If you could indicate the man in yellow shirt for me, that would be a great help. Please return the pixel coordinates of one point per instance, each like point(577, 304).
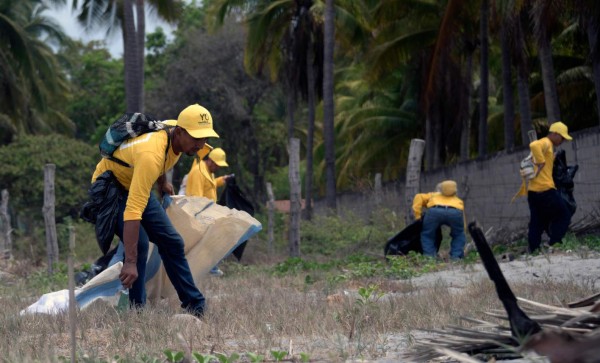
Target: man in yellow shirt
point(443, 208)
point(548, 212)
point(141, 216)
point(201, 181)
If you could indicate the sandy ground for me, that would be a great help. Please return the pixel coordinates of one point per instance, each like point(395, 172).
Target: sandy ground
point(584, 267)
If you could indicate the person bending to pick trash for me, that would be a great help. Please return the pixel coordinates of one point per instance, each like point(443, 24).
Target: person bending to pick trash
point(443, 208)
point(141, 216)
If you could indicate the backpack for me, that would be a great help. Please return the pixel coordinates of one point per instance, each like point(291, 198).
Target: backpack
point(527, 169)
point(128, 126)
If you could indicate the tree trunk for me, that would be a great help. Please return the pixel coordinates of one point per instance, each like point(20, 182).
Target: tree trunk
point(49, 219)
point(271, 218)
point(141, 48)
point(413, 176)
point(295, 197)
point(465, 132)
point(484, 86)
point(130, 59)
point(550, 93)
point(523, 87)
point(6, 230)
point(592, 32)
point(429, 144)
point(507, 90)
point(328, 107)
point(310, 75)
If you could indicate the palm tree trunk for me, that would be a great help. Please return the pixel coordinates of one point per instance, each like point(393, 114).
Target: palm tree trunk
point(310, 75)
point(593, 32)
point(550, 93)
point(466, 121)
point(328, 107)
point(507, 90)
point(291, 108)
point(130, 57)
point(523, 85)
point(484, 85)
point(141, 47)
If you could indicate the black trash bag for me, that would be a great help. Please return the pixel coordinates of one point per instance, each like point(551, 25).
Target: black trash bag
point(82, 277)
point(233, 197)
point(103, 208)
point(563, 176)
point(409, 239)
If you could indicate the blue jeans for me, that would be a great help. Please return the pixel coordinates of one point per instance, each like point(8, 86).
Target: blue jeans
point(436, 217)
point(156, 226)
point(548, 212)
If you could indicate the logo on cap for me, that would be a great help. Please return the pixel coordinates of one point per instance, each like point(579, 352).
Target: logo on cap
point(204, 119)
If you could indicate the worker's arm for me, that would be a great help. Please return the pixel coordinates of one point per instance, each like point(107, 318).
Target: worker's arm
point(419, 202)
point(129, 272)
point(537, 151)
point(164, 187)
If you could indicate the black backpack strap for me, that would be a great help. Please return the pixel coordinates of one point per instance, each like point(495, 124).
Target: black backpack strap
point(168, 131)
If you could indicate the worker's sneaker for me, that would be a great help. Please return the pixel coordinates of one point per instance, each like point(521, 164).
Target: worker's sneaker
point(215, 271)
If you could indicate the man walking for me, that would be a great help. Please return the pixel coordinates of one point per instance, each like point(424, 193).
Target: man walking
point(547, 208)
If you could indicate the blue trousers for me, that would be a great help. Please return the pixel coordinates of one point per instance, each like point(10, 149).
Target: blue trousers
point(548, 212)
point(156, 227)
point(436, 217)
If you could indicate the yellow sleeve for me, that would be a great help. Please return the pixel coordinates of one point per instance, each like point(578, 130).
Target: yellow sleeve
point(220, 181)
point(537, 150)
point(419, 202)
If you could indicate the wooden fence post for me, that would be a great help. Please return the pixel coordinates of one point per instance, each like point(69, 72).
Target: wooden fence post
point(49, 218)
point(270, 223)
point(72, 302)
point(413, 176)
point(532, 135)
point(295, 203)
point(377, 190)
point(6, 230)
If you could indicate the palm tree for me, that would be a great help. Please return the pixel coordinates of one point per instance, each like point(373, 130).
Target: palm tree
point(114, 14)
point(588, 12)
point(328, 106)
point(484, 70)
point(544, 14)
point(32, 89)
point(506, 25)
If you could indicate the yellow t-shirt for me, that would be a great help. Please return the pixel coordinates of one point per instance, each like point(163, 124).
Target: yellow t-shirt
point(430, 200)
point(201, 182)
point(543, 152)
point(146, 155)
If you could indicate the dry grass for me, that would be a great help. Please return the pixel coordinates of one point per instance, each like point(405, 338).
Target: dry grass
point(252, 311)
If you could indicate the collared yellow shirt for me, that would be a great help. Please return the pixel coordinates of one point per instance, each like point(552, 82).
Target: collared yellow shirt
point(146, 155)
point(201, 182)
point(543, 152)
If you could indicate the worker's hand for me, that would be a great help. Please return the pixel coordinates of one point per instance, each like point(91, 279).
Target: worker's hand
point(539, 168)
point(129, 274)
point(167, 188)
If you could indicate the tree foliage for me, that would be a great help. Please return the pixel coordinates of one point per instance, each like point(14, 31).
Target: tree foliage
point(22, 174)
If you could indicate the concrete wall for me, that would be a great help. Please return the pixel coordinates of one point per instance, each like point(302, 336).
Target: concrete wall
point(487, 186)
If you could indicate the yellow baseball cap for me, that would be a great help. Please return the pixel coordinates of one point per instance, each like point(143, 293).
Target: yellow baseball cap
point(217, 155)
point(561, 129)
point(170, 122)
point(197, 121)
